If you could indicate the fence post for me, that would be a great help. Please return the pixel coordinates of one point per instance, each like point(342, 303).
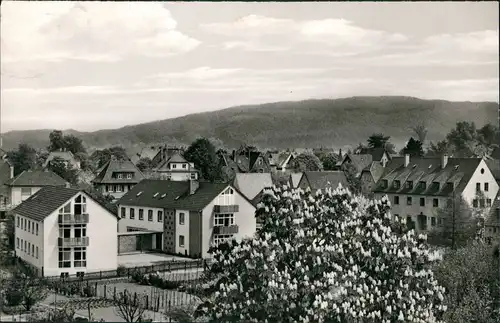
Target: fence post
point(157, 304)
point(147, 301)
point(128, 272)
point(104, 290)
point(114, 293)
point(96, 289)
point(152, 268)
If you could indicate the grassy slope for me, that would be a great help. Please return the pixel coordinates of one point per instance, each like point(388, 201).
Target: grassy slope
point(311, 123)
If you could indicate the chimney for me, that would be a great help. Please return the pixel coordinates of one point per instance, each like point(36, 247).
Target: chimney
point(407, 160)
point(193, 186)
point(444, 161)
point(340, 153)
point(11, 171)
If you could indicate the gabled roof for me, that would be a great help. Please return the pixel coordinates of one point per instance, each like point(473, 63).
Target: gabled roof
point(493, 217)
point(375, 169)
point(377, 153)
point(37, 178)
point(322, 180)
point(65, 155)
point(494, 166)
point(48, 199)
point(360, 162)
point(457, 171)
point(173, 195)
point(104, 176)
point(175, 158)
point(4, 177)
point(295, 178)
point(251, 184)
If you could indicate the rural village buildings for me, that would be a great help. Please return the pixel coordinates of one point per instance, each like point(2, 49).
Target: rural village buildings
point(176, 168)
point(63, 230)
point(67, 156)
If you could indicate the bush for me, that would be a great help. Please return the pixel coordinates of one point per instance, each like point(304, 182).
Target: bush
point(88, 291)
point(121, 271)
point(13, 310)
point(13, 297)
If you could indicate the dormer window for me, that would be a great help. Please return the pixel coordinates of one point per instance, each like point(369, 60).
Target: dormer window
point(422, 185)
point(385, 183)
point(409, 185)
point(129, 176)
point(449, 186)
point(184, 166)
point(174, 165)
point(397, 184)
point(119, 176)
point(435, 185)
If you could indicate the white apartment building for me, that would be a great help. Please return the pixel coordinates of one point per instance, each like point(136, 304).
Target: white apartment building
point(419, 187)
point(176, 168)
point(62, 230)
point(195, 216)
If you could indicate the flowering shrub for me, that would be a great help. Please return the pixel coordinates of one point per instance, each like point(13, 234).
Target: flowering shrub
point(328, 256)
point(154, 279)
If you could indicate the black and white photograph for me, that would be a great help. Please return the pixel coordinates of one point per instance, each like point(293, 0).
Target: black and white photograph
point(184, 161)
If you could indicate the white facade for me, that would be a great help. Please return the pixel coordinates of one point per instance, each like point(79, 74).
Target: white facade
point(29, 240)
point(487, 184)
point(182, 231)
point(86, 247)
point(18, 194)
point(130, 217)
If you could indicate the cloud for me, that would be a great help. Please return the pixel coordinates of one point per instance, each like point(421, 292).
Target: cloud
point(481, 42)
point(102, 31)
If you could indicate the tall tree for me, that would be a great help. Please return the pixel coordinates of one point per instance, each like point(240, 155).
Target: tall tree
point(323, 257)
point(438, 149)
point(421, 131)
point(378, 140)
point(144, 164)
point(63, 169)
point(306, 162)
point(100, 157)
point(24, 158)
point(414, 148)
point(462, 139)
point(56, 139)
point(202, 153)
point(30, 288)
point(74, 144)
point(329, 161)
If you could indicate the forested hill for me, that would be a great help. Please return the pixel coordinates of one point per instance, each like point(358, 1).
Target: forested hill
point(310, 123)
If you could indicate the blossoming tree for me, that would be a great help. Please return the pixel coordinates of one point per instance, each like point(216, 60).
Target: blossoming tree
point(324, 257)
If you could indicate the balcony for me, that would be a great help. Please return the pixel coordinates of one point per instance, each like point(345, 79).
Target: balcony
point(226, 208)
point(232, 229)
point(73, 218)
point(73, 242)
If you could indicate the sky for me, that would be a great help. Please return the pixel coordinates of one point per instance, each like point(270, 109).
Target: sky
point(91, 65)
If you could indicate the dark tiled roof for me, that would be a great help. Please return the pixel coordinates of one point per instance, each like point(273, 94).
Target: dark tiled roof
point(457, 171)
point(4, 177)
point(37, 178)
point(377, 153)
point(205, 194)
point(322, 180)
point(494, 217)
point(494, 166)
point(65, 155)
point(376, 170)
point(47, 200)
point(360, 162)
point(105, 174)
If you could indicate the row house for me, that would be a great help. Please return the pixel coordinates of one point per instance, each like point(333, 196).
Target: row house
point(419, 187)
point(183, 217)
point(117, 177)
point(63, 230)
point(176, 168)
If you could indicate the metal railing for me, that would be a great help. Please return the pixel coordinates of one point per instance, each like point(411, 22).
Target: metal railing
point(232, 229)
point(73, 218)
point(73, 242)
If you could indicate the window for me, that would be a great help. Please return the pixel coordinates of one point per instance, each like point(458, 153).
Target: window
point(486, 187)
point(169, 176)
point(17, 221)
point(436, 185)
point(422, 185)
point(433, 221)
point(481, 203)
point(150, 215)
point(80, 206)
point(449, 186)
point(396, 200)
point(118, 188)
point(385, 183)
point(475, 203)
point(181, 218)
point(33, 250)
point(193, 175)
point(181, 241)
point(22, 224)
point(396, 184)
point(29, 248)
point(132, 214)
point(33, 227)
point(17, 243)
point(229, 191)
point(223, 219)
point(219, 238)
point(123, 212)
point(65, 231)
point(408, 200)
point(488, 202)
point(129, 176)
point(109, 188)
point(80, 230)
point(183, 165)
point(119, 176)
point(160, 216)
point(174, 165)
point(25, 193)
point(80, 259)
point(435, 202)
point(64, 257)
point(422, 201)
point(478, 187)
point(25, 246)
point(409, 184)
point(141, 214)
point(25, 224)
point(28, 227)
point(37, 252)
point(37, 229)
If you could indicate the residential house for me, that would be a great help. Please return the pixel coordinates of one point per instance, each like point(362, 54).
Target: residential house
point(359, 162)
point(117, 177)
point(279, 161)
point(67, 156)
point(322, 180)
point(146, 152)
point(176, 168)
point(370, 176)
point(492, 223)
point(63, 230)
point(29, 182)
point(248, 161)
point(252, 184)
point(418, 187)
point(195, 216)
point(295, 179)
point(6, 174)
point(364, 157)
point(165, 152)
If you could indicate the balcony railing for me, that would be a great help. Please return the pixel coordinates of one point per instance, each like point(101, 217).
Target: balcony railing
point(232, 229)
point(73, 218)
point(74, 242)
point(226, 208)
